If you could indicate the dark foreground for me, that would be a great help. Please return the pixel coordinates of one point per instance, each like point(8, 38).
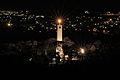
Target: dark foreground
point(110, 63)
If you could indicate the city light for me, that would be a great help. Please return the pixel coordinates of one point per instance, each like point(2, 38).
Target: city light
point(94, 29)
point(66, 57)
point(30, 59)
point(9, 24)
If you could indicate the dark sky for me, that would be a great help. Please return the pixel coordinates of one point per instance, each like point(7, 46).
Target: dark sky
point(59, 4)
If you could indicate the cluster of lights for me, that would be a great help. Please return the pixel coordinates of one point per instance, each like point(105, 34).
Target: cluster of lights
point(69, 24)
point(31, 28)
point(9, 24)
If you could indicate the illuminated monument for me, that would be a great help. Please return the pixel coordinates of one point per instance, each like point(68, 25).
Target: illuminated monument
point(59, 48)
point(59, 30)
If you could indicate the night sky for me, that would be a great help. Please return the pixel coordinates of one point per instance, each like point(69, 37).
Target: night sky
point(59, 4)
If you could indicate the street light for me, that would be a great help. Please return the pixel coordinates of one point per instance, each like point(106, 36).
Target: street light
point(81, 51)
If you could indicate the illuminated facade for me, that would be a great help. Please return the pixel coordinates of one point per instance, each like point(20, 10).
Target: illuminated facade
point(59, 33)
